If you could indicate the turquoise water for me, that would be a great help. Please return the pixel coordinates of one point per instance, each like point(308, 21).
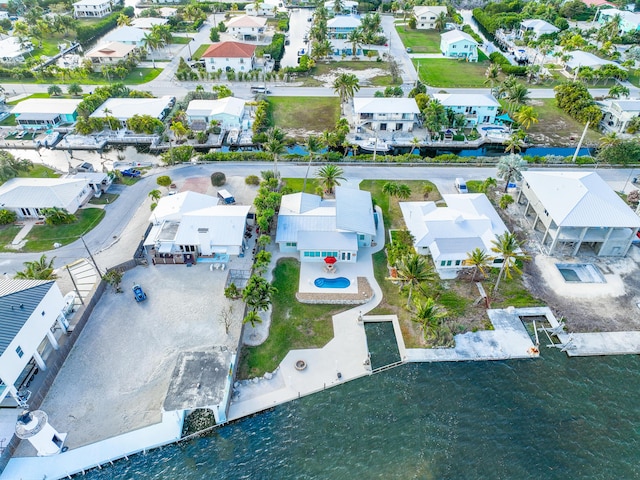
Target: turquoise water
point(338, 282)
point(545, 419)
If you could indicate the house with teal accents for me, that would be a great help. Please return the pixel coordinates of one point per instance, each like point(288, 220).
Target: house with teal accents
point(476, 107)
point(41, 113)
point(341, 26)
point(458, 44)
point(629, 21)
point(317, 228)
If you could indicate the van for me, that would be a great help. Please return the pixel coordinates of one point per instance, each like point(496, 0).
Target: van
point(461, 186)
point(226, 197)
point(262, 90)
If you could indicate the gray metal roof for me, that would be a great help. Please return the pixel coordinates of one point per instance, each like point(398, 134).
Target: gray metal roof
point(327, 241)
point(290, 225)
point(18, 300)
point(354, 210)
point(458, 245)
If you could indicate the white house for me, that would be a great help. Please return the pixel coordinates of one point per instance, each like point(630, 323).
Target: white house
point(246, 27)
point(264, 9)
point(110, 54)
point(618, 114)
point(190, 225)
point(578, 210)
point(629, 21)
point(91, 8)
point(449, 233)
point(317, 228)
point(386, 114)
point(12, 50)
point(346, 7)
point(578, 59)
point(147, 23)
point(240, 57)
point(99, 182)
point(229, 112)
point(459, 44)
point(29, 196)
point(341, 26)
point(125, 108)
point(30, 313)
point(45, 112)
point(476, 107)
point(426, 16)
point(535, 28)
point(126, 35)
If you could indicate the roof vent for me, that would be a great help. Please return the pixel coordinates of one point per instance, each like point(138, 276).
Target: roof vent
point(22, 305)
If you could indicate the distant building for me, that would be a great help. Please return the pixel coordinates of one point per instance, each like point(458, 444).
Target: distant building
point(44, 113)
point(476, 107)
point(238, 56)
point(426, 16)
point(229, 112)
point(264, 9)
point(12, 50)
point(29, 196)
point(458, 44)
point(536, 27)
point(386, 114)
point(110, 54)
point(578, 59)
point(629, 21)
point(618, 113)
point(342, 25)
point(126, 35)
point(125, 108)
point(247, 27)
point(91, 8)
point(348, 7)
point(147, 23)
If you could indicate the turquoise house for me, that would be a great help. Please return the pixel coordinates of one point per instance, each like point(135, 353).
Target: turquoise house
point(342, 25)
point(45, 112)
point(458, 44)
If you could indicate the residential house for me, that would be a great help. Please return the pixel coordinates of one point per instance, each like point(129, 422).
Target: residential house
point(99, 182)
point(246, 27)
point(458, 44)
point(348, 7)
point(31, 321)
point(476, 107)
point(110, 54)
point(264, 9)
point(147, 23)
point(126, 35)
point(91, 8)
point(12, 50)
point(618, 114)
point(536, 27)
point(598, 3)
point(426, 16)
point(190, 225)
point(44, 113)
point(449, 233)
point(577, 211)
point(167, 12)
point(579, 59)
point(230, 56)
point(629, 21)
point(386, 114)
point(166, 1)
point(341, 26)
point(229, 112)
point(29, 196)
point(125, 108)
point(317, 228)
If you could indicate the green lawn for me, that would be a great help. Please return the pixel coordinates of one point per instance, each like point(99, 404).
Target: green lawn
point(420, 41)
point(296, 183)
point(555, 127)
point(7, 234)
point(42, 237)
point(39, 171)
point(356, 65)
point(382, 81)
point(293, 324)
point(311, 113)
point(444, 72)
point(200, 50)
point(175, 40)
point(104, 199)
point(10, 121)
point(137, 76)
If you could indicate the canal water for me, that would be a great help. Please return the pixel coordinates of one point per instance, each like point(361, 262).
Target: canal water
point(552, 418)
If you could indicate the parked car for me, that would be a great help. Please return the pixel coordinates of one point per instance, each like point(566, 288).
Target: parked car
point(461, 185)
point(130, 172)
point(138, 293)
point(409, 50)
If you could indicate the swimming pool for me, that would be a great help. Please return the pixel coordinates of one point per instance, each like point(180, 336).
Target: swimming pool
point(499, 129)
point(338, 282)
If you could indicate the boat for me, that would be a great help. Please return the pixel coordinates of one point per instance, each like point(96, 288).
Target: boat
point(232, 138)
point(51, 139)
point(374, 144)
point(301, 52)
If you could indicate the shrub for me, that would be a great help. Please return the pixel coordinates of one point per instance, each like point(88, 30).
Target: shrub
point(252, 180)
point(218, 179)
point(7, 216)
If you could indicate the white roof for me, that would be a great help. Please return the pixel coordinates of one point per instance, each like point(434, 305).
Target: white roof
point(580, 199)
point(246, 21)
point(111, 50)
point(83, 3)
point(148, 22)
point(354, 210)
point(424, 9)
point(346, 4)
point(585, 59)
point(10, 47)
point(327, 241)
point(47, 105)
point(223, 225)
point(454, 36)
point(626, 15)
point(41, 192)
point(172, 207)
point(468, 221)
point(125, 108)
point(466, 99)
point(344, 21)
point(125, 34)
point(229, 106)
point(539, 26)
point(384, 105)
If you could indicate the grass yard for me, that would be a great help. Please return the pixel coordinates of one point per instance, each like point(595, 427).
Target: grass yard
point(296, 183)
point(104, 199)
point(176, 40)
point(555, 127)
point(382, 81)
point(39, 171)
point(137, 76)
point(444, 72)
point(420, 41)
point(42, 237)
point(7, 234)
point(308, 113)
point(10, 121)
point(293, 324)
point(200, 50)
point(355, 65)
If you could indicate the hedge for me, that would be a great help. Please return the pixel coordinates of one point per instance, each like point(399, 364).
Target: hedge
point(86, 33)
point(505, 65)
point(474, 35)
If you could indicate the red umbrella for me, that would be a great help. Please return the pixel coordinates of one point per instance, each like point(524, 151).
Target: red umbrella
point(330, 260)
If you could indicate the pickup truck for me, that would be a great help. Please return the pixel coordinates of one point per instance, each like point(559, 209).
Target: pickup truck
point(130, 172)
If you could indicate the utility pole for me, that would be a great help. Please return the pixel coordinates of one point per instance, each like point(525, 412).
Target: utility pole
point(584, 132)
point(93, 260)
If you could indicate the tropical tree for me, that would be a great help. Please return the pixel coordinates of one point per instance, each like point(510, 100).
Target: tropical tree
point(355, 39)
point(37, 270)
point(329, 177)
point(480, 260)
point(114, 277)
point(505, 201)
point(252, 318)
point(415, 145)
point(155, 194)
point(57, 216)
point(346, 85)
point(487, 184)
point(275, 146)
point(429, 315)
point(164, 181)
point(427, 188)
point(514, 142)
point(413, 271)
point(510, 167)
point(525, 116)
point(7, 216)
point(435, 116)
point(403, 192)
point(518, 95)
point(390, 188)
point(54, 91)
point(123, 20)
point(507, 247)
point(617, 91)
point(313, 147)
point(258, 293)
point(441, 22)
point(74, 89)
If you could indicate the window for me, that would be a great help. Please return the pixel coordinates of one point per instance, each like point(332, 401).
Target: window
point(361, 237)
point(457, 262)
point(306, 254)
point(19, 352)
point(443, 263)
point(293, 244)
point(448, 263)
point(453, 47)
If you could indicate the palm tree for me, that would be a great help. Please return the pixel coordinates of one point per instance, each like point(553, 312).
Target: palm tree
point(355, 39)
point(151, 42)
point(313, 146)
point(275, 146)
point(415, 145)
point(611, 139)
point(479, 260)
point(390, 188)
point(258, 293)
point(329, 177)
point(404, 191)
point(617, 91)
point(37, 270)
point(441, 22)
point(526, 116)
point(74, 89)
point(429, 315)
point(518, 95)
point(346, 86)
point(123, 20)
point(507, 247)
point(413, 270)
point(488, 183)
point(253, 318)
point(514, 142)
point(511, 167)
point(54, 91)
point(155, 194)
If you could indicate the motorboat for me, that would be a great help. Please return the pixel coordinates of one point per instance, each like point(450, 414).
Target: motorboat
point(374, 144)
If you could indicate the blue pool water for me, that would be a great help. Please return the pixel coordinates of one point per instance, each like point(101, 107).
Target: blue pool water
point(501, 129)
point(217, 258)
point(339, 282)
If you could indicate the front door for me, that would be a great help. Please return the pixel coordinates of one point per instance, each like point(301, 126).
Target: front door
point(383, 127)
